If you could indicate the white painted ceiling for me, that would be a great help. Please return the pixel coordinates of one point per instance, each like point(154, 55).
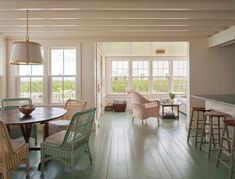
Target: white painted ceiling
point(116, 19)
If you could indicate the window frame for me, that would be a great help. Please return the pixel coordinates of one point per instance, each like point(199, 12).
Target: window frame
point(150, 60)
point(50, 76)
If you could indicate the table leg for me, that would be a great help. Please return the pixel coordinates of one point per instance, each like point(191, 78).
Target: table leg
point(162, 111)
point(26, 130)
point(178, 115)
point(46, 131)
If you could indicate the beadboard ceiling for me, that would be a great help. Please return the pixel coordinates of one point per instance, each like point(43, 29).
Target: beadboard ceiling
point(116, 19)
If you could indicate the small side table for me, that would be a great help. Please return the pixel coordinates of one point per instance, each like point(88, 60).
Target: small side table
point(172, 105)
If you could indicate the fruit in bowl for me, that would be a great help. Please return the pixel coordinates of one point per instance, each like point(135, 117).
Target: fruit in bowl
point(27, 109)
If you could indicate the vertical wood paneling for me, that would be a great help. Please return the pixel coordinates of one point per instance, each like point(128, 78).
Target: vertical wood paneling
point(88, 72)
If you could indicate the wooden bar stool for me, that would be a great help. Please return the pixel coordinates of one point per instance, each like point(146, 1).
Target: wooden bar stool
point(227, 151)
point(199, 122)
point(209, 120)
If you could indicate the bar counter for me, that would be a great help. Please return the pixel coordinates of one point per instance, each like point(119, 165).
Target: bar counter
point(223, 103)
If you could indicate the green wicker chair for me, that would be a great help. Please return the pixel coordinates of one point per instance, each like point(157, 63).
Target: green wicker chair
point(14, 103)
point(66, 146)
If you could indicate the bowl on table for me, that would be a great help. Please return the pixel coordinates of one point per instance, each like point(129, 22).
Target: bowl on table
point(27, 109)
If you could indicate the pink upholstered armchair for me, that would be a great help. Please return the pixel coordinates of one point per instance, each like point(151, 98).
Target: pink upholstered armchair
point(143, 108)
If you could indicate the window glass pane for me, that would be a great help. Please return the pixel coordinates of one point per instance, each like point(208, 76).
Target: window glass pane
point(57, 62)
point(140, 73)
point(37, 70)
point(179, 76)
point(37, 89)
point(69, 88)
point(57, 90)
point(160, 76)
point(140, 68)
point(25, 87)
point(24, 70)
point(119, 76)
point(70, 62)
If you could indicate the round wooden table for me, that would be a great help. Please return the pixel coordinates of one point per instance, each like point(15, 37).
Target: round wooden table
point(40, 115)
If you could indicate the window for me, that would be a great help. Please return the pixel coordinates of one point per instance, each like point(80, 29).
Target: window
point(160, 76)
point(31, 82)
point(63, 74)
point(153, 75)
point(119, 76)
point(179, 76)
point(140, 75)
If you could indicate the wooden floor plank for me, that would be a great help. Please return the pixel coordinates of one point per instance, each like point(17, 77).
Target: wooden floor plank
point(125, 150)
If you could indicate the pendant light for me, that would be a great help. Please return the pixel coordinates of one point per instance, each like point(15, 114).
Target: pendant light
point(26, 52)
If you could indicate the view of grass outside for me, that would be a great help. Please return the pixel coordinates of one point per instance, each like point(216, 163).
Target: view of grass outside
point(119, 85)
point(160, 85)
point(61, 93)
point(180, 85)
point(140, 85)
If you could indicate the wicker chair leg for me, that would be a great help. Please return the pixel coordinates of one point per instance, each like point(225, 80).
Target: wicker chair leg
point(132, 118)
point(27, 167)
point(88, 149)
point(36, 136)
point(42, 163)
point(5, 174)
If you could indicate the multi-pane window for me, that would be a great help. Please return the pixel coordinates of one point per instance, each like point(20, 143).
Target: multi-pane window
point(31, 82)
point(63, 74)
point(119, 76)
point(179, 76)
point(160, 76)
point(140, 75)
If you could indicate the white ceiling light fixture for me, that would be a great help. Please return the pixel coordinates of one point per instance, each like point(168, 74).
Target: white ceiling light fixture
point(26, 52)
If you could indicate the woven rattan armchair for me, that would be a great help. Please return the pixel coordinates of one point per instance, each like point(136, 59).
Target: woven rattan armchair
point(14, 103)
point(142, 108)
point(72, 106)
point(12, 153)
point(66, 146)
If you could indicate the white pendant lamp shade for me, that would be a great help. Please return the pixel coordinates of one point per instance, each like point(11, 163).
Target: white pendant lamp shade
point(26, 52)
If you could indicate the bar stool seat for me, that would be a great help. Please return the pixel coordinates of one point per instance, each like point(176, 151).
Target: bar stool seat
point(229, 152)
point(198, 126)
point(209, 120)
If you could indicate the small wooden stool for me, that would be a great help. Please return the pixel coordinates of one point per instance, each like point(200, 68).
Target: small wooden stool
point(199, 123)
point(209, 120)
point(230, 151)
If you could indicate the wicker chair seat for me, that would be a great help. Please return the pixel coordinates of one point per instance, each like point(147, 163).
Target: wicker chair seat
point(58, 125)
point(56, 138)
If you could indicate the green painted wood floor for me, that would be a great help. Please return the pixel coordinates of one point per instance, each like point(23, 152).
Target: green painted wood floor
point(125, 150)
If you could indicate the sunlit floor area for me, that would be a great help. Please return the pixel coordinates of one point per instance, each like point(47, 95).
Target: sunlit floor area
point(125, 150)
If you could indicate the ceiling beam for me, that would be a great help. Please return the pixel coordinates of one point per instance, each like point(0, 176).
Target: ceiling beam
point(111, 28)
point(117, 5)
point(118, 22)
point(4, 15)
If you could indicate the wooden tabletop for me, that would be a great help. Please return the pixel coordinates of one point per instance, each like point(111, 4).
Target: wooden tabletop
point(39, 115)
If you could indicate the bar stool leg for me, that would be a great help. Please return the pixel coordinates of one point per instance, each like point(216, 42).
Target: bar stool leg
point(196, 135)
point(219, 137)
point(203, 131)
point(227, 134)
point(210, 136)
point(190, 126)
point(220, 145)
point(232, 156)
